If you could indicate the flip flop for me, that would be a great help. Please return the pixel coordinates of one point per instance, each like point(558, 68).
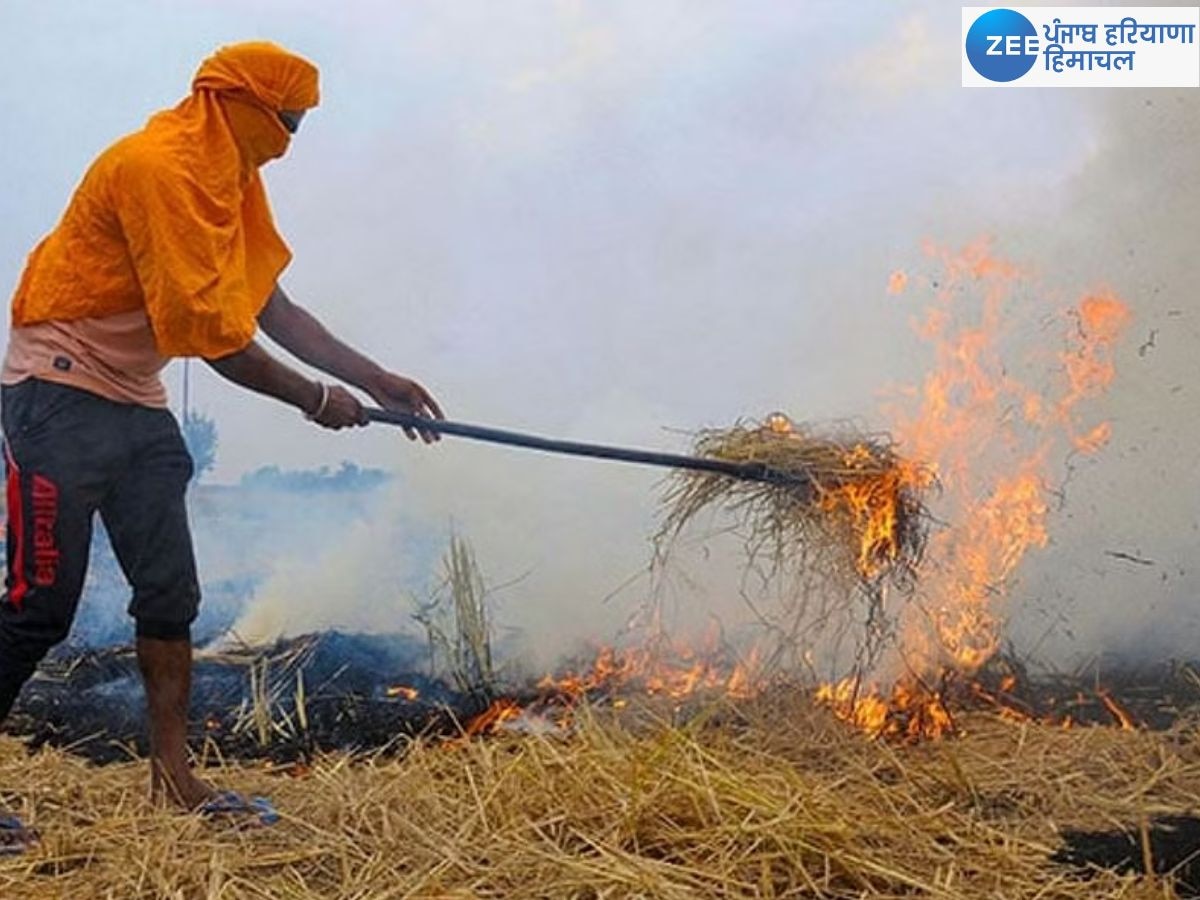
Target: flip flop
point(15, 838)
point(259, 810)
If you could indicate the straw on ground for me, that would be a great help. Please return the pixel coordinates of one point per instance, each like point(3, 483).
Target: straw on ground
point(774, 799)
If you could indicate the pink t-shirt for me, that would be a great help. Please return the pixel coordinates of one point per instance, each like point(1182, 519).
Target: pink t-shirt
point(113, 356)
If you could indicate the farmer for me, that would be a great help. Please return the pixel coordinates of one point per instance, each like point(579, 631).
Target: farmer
point(167, 249)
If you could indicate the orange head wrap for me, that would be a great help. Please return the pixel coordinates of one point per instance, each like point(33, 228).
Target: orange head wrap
point(262, 80)
point(174, 218)
point(275, 78)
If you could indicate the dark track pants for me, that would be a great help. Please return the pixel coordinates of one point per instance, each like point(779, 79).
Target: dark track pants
point(69, 454)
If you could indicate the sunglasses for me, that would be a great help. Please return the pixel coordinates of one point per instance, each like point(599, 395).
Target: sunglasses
point(290, 120)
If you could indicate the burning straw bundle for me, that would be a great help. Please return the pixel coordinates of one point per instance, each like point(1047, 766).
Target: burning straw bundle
point(846, 504)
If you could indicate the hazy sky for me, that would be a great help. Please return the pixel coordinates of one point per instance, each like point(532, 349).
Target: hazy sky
point(589, 219)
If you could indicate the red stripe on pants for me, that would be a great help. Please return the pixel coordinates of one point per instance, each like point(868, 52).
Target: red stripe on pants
point(16, 530)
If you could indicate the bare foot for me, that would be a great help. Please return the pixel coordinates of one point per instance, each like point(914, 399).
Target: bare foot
point(178, 786)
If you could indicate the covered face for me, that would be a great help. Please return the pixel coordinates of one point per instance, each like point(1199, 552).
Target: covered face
point(254, 82)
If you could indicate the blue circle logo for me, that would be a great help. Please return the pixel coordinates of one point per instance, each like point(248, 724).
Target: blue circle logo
point(1002, 45)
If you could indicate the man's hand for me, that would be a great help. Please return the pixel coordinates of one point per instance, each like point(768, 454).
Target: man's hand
point(329, 405)
point(298, 332)
point(336, 408)
point(395, 392)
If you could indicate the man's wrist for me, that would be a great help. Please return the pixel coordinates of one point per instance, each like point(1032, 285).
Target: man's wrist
point(316, 399)
point(371, 378)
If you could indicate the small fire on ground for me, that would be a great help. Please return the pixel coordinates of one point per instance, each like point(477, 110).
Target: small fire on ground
point(671, 672)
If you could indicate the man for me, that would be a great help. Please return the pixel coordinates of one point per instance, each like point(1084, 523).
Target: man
point(167, 249)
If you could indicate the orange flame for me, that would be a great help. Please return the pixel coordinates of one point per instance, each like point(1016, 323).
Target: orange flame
point(491, 719)
point(1124, 719)
point(675, 669)
point(992, 434)
point(909, 712)
point(996, 467)
point(871, 505)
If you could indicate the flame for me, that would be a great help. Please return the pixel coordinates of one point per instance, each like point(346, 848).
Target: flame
point(491, 719)
point(674, 670)
point(1124, 719)
point(779, 423)
point(403, 691)
point(1088, 362)
point(991, 421)
point(910, 711)
point(1094, 440)
point(871, 506)
point(996, 468)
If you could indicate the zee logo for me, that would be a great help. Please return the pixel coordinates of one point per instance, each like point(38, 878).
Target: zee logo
point(1002, 45)
point(1012, 45)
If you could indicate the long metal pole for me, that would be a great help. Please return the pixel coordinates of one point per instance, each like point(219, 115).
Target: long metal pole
point(749, 471)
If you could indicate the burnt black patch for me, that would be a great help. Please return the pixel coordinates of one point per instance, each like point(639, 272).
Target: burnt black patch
point(1173, 843)
point(284, 703)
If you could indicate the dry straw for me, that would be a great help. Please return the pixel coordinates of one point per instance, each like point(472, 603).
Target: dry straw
point(850, 507)
point(842, 520)
point(771, 800)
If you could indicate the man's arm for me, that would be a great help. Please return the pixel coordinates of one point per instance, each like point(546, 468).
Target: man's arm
point(302, 335)
point(255, 368)
point(299, 333)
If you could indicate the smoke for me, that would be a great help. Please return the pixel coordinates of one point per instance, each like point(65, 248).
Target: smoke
point(284, 553)
point(1120, 575)
point(619, 223)
point(359, 579)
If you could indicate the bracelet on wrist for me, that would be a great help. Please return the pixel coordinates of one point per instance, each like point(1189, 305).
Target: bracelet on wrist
point(321, 404)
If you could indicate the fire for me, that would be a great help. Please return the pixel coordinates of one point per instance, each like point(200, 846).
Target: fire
point(1124, 719)
point(872, 506)
point(910, 711)
point(493, 718)
point(779, 423)
point(670, 670)
point(674, 670)
point(403, 691)
point(991, 424)
point(991, 420)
